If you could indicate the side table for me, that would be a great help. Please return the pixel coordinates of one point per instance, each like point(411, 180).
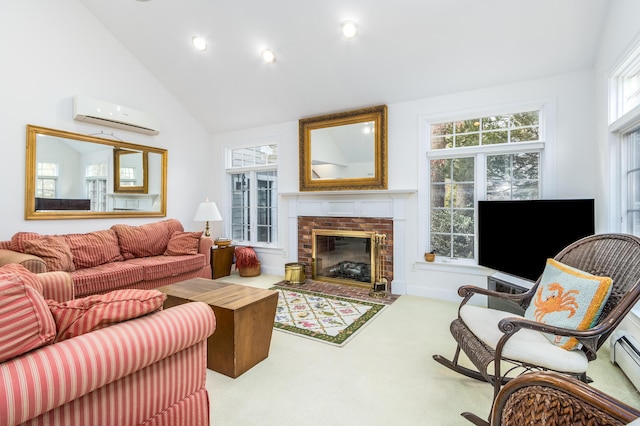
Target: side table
point(244, 321)
point(221, 261)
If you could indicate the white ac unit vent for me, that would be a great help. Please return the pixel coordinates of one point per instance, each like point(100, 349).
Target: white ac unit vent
point(625, 352)
point(112, 115)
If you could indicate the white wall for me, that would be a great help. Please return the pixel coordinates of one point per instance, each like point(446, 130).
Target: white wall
point(53, 50)
point(572, 96)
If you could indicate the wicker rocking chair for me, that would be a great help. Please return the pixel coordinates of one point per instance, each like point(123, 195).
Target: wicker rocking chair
point(546, 398)
point(518, 345)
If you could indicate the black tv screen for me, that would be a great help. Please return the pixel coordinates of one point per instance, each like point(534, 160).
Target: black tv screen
point(517, 237)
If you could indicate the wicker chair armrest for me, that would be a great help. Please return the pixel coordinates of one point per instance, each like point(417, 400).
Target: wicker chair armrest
point(513, 324)
point(468, 291)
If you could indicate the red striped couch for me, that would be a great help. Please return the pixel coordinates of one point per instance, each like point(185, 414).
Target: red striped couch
point(149, 370)
point(124, 256)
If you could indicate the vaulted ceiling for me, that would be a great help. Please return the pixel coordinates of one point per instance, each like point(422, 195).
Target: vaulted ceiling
point(404, 50)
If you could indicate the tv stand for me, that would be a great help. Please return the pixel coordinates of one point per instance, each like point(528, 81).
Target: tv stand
point(505, 283)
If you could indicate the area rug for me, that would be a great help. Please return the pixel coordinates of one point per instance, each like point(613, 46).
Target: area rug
point(329, 319)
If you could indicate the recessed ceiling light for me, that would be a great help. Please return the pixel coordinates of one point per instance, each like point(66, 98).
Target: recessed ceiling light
point(199, 43)
point(268, 56)
point(349, 29)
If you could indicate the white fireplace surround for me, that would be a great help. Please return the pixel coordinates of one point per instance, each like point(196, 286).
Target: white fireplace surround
point(371, 204)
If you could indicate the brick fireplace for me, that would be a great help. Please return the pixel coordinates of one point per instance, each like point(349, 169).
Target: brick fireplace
point(381, 211)
point(382, 226)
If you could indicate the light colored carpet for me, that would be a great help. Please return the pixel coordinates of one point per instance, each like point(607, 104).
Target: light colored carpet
point(384, 376)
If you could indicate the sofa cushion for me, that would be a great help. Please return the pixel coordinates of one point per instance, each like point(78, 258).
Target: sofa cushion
point(157, 267)
point(94, 248)
point(25, 320)
point(144, 240)
point(173, 225)
point(19, 238)
point(54, 250)
point(81, 316)
point(182, 243)
point(109, 276)
point(569, 298)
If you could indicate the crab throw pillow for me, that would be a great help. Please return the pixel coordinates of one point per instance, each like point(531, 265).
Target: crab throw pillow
point(568, 298)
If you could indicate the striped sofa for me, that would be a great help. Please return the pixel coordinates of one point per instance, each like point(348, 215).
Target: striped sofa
point(145, 371)
point(142, 257)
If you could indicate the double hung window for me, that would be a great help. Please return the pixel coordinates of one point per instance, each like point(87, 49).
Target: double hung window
point(47, 180)
point(253, 178)
point(486, 157)
point(96, 186)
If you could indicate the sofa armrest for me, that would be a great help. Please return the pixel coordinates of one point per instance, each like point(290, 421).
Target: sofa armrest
point(53, 375)
point(57, 285)
point(29, 261)
point(205, 248)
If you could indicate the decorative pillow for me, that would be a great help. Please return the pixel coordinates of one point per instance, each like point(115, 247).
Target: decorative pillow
point(53, 250)
point(183, 243)
point(25, 320)
point(79, 316)
point(94, 248)
point(19, 238)
point(568, 298)
point(143, 241)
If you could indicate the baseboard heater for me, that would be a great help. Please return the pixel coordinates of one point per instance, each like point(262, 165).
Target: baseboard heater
point(625, 352)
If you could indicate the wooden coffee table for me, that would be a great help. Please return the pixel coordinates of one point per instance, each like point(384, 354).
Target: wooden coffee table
point(244, 321)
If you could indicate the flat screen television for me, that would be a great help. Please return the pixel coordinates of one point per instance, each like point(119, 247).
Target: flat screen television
point(517, 237)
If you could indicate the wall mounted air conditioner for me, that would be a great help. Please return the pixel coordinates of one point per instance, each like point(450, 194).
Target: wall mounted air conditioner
point(112, 115)
point(625, 352)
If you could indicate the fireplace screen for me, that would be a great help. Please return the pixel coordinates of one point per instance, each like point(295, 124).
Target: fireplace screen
point(348, 257)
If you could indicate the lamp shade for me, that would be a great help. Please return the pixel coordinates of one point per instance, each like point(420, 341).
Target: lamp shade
point(207, 212)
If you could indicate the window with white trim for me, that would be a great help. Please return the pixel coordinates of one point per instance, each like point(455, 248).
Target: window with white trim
point(47, 180)
point(96, 186)
point(624, 101)
point(253, 178)
point(484, 157)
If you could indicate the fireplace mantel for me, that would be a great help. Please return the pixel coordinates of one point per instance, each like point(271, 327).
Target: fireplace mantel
point(389, 204)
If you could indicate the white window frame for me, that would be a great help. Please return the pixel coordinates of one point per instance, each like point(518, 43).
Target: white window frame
point(46, 177)
point(624, 119)
point(252, 169)
point(546, 146)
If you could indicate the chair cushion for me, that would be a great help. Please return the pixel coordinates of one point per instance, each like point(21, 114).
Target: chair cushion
point(568, 298)
point(526, 345)
point(182, 243)
point(25, 320)
point(80, 316)
point(55, 252)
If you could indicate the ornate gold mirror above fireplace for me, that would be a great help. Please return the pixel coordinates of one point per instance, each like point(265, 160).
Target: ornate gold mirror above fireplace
point(75, 176)
point(344, 151)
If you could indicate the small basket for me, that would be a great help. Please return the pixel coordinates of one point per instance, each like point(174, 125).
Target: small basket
point(249, 271)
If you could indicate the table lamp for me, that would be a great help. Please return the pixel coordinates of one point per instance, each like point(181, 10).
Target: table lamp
point(207, 212)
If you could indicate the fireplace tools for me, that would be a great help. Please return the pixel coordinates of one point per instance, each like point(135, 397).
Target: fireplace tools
point(379, 289)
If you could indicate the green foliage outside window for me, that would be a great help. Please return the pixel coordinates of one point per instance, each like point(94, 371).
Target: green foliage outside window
point(452, 181)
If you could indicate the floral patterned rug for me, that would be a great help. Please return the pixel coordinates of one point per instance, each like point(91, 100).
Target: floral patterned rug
point(330, 319)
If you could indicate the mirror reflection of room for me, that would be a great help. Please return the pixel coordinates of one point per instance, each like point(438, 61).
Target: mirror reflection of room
point(73, 175)
point(341, 152)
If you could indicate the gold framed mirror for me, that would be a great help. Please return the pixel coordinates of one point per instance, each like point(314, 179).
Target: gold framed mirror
point(74, 176)
point(344, 151)
point(130, 171)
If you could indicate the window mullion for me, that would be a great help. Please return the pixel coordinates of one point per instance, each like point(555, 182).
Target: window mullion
point(481, 176)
